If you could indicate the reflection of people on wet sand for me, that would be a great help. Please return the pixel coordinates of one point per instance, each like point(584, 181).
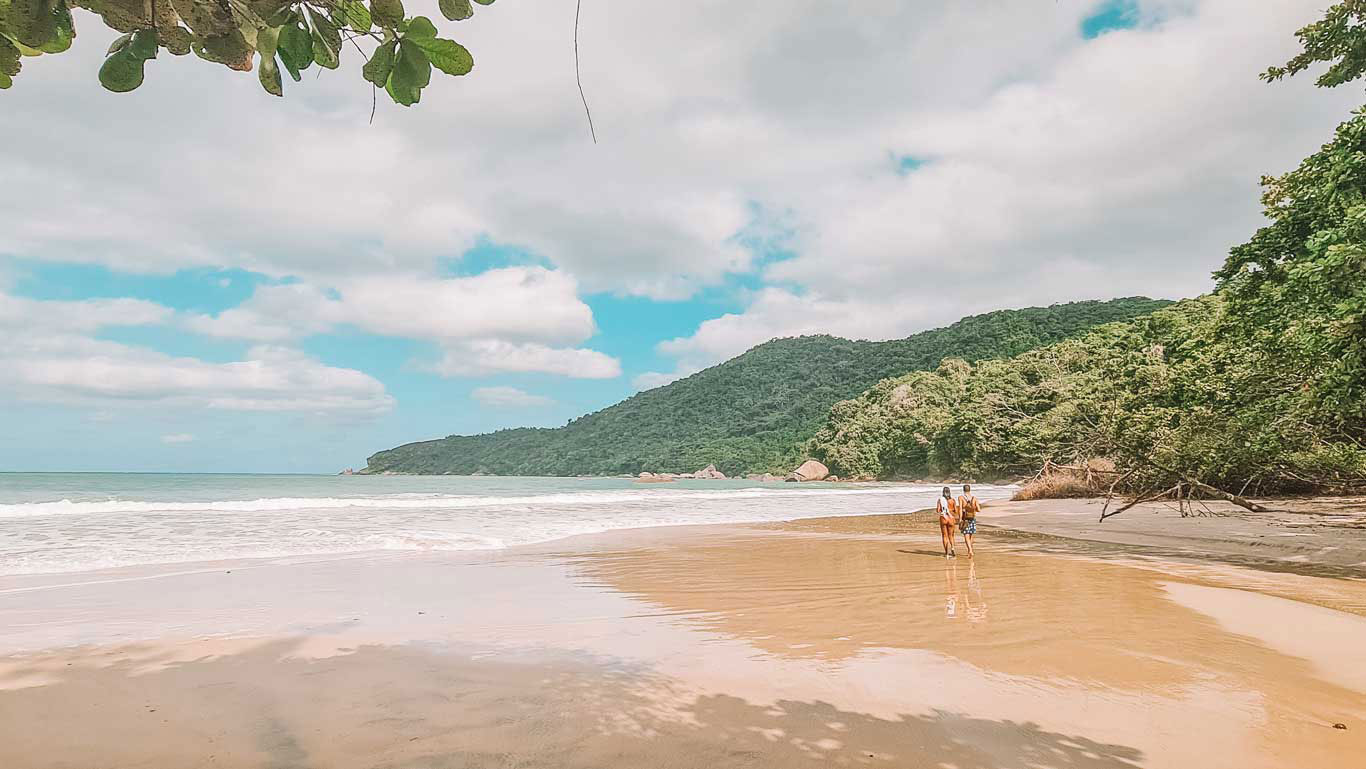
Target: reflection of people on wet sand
point(950, 591)
point(974, 607)
point(968, 507)
point(976, 611)
point(948, 519)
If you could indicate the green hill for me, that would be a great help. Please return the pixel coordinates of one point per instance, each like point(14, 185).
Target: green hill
point(753, 413)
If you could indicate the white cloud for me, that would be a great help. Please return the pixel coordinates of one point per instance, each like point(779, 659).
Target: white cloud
point(1057, 169)
point(502, 320)
point(482, 357)
point(508, 397)
point(1123, 165)
point(517, 303)
point(47, 355)
point(19, 314)
point(173, 438)
point(652, 379)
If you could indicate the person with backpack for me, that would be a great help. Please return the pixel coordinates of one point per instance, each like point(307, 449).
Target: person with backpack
point(968, 508)
point(947, 508)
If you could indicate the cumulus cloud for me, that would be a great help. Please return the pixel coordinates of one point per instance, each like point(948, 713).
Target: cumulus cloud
point(514, 303)
point(47, 354)
point(482, 357)
point(1124, 165)
point(508, 397)
point(18, 314)
point(1051, 168)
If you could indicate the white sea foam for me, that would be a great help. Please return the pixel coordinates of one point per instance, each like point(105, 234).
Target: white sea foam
point(407, 501)
point(63, 524)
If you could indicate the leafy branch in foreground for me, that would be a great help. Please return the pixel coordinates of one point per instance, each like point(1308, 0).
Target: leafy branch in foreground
point(272, 35)
point(1335, 39)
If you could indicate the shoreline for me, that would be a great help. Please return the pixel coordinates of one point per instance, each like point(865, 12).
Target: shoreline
point(1154, 530)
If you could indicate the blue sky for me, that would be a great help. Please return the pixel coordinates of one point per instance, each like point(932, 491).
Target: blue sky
point(199, 277)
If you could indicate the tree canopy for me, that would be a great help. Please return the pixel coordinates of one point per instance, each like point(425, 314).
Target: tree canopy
point(273, 36)
point(1337, 40)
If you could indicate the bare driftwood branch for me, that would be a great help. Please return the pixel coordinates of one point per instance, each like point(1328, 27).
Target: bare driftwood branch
point(1138, 501)
point(1224, 495)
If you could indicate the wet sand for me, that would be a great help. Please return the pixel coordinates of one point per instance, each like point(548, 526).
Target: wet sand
point(849, 641)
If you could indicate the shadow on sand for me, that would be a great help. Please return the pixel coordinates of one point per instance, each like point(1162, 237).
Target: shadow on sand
point(401, 707)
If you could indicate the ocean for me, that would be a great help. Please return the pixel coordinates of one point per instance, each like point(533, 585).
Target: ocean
point(73, 522)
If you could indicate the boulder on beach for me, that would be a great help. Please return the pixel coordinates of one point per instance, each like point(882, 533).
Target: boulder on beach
point(810, 470)
point(710, 472)
point(645, 474)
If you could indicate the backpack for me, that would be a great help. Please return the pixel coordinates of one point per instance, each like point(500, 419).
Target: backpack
point(969, 506)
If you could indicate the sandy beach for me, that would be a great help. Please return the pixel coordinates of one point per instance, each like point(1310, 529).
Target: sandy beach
point(847, 641)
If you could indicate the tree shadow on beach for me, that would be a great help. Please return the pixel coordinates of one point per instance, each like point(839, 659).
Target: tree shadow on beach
point(406, 708)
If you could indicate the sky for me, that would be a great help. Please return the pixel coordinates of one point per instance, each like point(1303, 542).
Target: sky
point(198, 276)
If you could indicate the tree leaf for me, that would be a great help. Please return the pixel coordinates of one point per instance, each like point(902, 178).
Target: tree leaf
point(268, 42)
point(387, 13)
point(420, 27)
point(176, 40)
point(269, 75)
point(31, 22)
point(447, 55)
point(357, 16)
point(456, 10)
point(63, 30)
point(230, 49)
point(326, 41)
point(412, 63)
point(143, 44)
point(402, 94)
point(9, 58)
point(9, 62)
point(119, 42)
point(381, 64)
point(412, 72)
point(121, 72)
point(295, 48)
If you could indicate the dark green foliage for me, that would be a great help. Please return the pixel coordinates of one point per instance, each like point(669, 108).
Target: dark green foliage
point(271, 34)
point(1165, 397)
point(1335, 39)
point(1297, 290)
point(750, 414)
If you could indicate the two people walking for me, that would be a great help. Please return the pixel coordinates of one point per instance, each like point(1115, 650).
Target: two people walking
point(960, 514)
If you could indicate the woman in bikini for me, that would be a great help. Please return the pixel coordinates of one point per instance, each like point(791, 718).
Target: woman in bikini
point(947, 509)
point(968, 508)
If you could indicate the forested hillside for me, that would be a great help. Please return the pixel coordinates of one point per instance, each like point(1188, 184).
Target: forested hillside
point(752, 413)
point(1259, 387)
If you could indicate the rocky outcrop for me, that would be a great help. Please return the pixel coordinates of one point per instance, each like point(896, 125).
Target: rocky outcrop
point(763, 477)
point(810, 470)
point(711, 473)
